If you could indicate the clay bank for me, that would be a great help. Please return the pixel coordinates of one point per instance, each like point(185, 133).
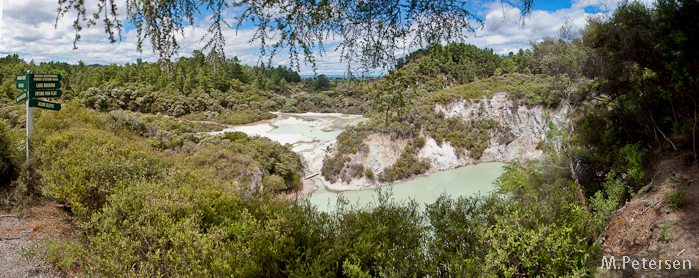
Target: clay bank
point(528, 126)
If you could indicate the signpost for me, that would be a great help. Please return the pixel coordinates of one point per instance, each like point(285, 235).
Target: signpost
point(47, 77)
point(44, 104)
point(22, 80)
point(43, 86)
point(37, 85)
point(21, 97)
point(52, 93)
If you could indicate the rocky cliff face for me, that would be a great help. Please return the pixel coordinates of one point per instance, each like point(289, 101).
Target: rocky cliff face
point(527, 124)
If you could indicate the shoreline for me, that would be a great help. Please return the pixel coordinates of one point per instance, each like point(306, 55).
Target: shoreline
point(376, 184)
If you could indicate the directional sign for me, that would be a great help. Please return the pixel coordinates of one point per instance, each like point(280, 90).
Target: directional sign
point(21, 82)
point(21, 97)
point(44, 104)
point(44, 86)
point(47, 77)
point(52, 93)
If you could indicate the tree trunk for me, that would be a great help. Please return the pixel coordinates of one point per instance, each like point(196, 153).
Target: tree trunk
point(694, 134)
point(569, 153)
point(581, 196)
point(663, 134)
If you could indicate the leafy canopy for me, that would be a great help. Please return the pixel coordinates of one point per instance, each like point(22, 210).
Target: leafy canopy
point(369, 32)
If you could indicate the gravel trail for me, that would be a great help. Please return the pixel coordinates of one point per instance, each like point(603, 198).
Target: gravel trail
point(27, 231)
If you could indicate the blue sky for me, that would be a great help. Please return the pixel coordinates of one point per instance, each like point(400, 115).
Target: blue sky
point(33, 36)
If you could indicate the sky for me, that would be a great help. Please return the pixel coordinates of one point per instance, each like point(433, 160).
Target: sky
point(30, 28)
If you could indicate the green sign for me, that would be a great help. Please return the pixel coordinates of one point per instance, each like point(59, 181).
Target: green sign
point(47, 78)
point(21, 85)
point(44, 86)
point(52, 93)
point(39, 85)
point(21, 97)
point(22, 82)
point(44, 104)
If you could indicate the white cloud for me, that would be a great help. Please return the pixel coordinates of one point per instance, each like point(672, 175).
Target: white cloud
point(506, 31)
point(27, 27)
point(603, 5)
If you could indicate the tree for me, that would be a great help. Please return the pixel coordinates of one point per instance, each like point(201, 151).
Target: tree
point(564, 61)
point(322, 82)
point(9, 160)
point(370, 32)
point(648, 56)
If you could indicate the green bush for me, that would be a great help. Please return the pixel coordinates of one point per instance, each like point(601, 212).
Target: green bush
point(189, 225)
point(9, 156)
point(605, 201)
point(125, 120)
point(676, 198)
point(82, 164)
point(538, 227)
point(81, 167)
point(665, 235)
point(405, 167)
point(632, 162)
point(235, 136)
point(333, 166)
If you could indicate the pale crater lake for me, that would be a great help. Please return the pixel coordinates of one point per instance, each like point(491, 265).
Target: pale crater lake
point(311, 133)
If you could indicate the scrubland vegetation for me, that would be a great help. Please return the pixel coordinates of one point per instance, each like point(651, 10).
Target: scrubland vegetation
point(151, 197)
point(209, 206)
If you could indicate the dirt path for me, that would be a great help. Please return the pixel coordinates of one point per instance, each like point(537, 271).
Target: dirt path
point(24, 232)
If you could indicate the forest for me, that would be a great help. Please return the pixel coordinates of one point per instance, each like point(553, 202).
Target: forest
point(149, 195)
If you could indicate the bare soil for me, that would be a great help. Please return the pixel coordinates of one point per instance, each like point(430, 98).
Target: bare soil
point(648, 227)
point(22, 236)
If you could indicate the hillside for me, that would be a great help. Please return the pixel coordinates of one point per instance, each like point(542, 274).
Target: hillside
point(660, 223)
point(600, 129)
point(510, 131)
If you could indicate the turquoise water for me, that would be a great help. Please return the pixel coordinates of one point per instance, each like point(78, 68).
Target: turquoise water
point(464, 181)
point(291, 129)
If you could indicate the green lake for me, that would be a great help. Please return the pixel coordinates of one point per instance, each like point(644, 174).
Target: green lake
point(311, 134)
point(464, 181)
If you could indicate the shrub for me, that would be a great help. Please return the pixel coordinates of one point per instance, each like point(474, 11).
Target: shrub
point(351, 140)
point(356, 170)
point(676, 198)
point(189, 225)
point(9, 156)
point(605, 201)
point(235, 136)
point(125, 120)
point(665, 235)
point(333, 165)
point(369, 174)
point(405, 167)
point(81, 167)
point(632, 161)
